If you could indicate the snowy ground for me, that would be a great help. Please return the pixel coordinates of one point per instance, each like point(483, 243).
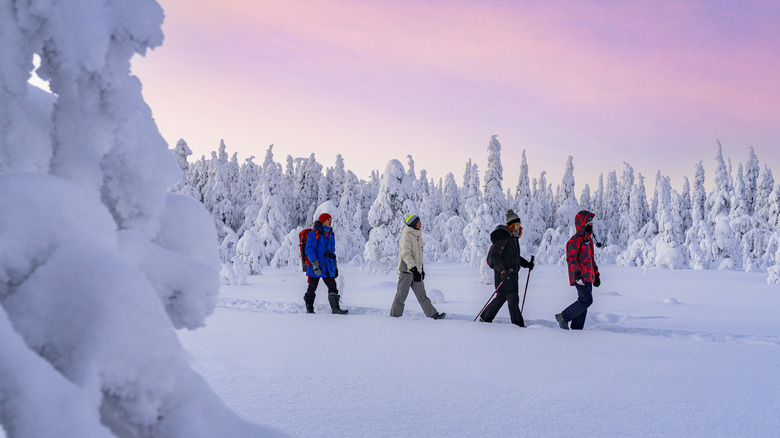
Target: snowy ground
point(664, 353)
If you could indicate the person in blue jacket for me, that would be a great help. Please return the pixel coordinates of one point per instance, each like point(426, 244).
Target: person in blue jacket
point(320, 251)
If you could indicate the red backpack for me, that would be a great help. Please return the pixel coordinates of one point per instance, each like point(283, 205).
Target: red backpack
point(302, 245)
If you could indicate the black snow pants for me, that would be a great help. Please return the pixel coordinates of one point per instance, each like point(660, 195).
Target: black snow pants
point(509, 295)
point(308, 298)
point(578, 310)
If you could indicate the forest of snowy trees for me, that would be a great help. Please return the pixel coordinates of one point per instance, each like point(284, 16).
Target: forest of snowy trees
point(259, 209)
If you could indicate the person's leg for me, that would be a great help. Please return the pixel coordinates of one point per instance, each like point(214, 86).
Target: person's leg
point(492, 309)
point(579, 322)
point(308, 298)
point(333, 296)
point(513, 302)
point(422, 297)
point(579, 307)
point(402, 291)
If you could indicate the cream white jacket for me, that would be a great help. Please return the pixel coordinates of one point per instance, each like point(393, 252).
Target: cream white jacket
point(410, 250)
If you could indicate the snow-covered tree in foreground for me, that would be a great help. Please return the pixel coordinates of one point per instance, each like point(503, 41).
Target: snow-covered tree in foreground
point(98, 262)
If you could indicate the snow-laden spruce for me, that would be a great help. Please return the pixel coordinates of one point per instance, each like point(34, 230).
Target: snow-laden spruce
point(98, 262)
point(386, 218)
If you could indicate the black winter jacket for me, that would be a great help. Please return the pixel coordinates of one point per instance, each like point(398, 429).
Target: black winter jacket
point(506, 255)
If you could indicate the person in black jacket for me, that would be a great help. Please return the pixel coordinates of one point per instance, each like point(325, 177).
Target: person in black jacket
point(506, 261)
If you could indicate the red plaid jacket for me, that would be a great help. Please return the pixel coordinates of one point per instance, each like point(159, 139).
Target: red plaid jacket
point(579, 251)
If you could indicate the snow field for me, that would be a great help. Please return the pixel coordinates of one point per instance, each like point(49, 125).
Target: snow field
point(705, 366)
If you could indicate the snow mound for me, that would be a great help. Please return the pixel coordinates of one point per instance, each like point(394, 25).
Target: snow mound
point(671, 301)
point(436, 296)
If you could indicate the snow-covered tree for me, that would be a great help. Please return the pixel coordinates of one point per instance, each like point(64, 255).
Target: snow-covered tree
point(216, 194)
point(698, 238)
point(412, 186)
point(687, 207)
point(386, 218)
point(472, 195)
point(545, 201)
point(534, 225)
point(447, 243)
point(305, 196)
point(625, 190)
point(566, 202)
point(738, 203)
point(289, 253)
point(585, 199)
point(552, 248)
point(249, 178)
point(100, 262)
point(765, 186)
point(719, 201)
point(450, 196)
point(752, 172)
point(493, 190)
point(523, 190)
point(611, 219)
point(181, 151)
point(477, 237)
point(350, 242)
point(668, 251)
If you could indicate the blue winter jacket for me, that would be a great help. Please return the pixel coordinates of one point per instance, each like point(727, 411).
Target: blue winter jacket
point(318, 241)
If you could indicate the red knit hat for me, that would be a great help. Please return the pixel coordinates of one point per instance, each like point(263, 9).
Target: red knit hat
point(323, 218)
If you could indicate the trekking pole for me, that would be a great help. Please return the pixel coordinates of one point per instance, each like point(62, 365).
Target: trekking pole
point(488, 301)
point(526, 286)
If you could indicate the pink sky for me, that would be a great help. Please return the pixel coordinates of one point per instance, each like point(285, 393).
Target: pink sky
point(654, 84)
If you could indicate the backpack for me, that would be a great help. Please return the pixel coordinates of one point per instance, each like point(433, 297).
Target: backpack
point(302, 245)
point(492, 252)
point(490, 256)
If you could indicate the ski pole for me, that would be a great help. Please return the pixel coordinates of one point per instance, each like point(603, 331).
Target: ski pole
point(488, 301)
point(526, 286)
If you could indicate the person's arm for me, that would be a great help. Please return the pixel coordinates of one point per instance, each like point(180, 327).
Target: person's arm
point(497, 259)
point(527, 264)
point(311, 252)
point(573, 260)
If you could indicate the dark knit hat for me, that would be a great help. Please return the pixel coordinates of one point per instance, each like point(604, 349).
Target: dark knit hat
point(323, 218)
point(511, 217)
point(412, 220)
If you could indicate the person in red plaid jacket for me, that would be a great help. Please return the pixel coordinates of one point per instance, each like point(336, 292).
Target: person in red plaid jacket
point(583, 272)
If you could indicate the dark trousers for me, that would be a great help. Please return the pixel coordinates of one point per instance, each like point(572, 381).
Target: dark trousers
point(308, 298)
point(513, 300)
point(578, 310)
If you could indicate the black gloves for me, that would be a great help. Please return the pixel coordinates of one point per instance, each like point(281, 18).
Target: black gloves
point(531, 265)
point(416, 274)
point(316, 267)
point(423, 275)
point(330, 255)
point(577, 276)
point(337, 271)
point(597, 283)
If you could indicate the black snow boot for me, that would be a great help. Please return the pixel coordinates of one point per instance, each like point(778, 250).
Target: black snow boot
point(439, 316)
point(309, 308)
point(562, 322)
point(334, 305)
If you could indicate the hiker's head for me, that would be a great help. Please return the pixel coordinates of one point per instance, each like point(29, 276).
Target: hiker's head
point(513, 223)
point(413, 221)
point(325, 219)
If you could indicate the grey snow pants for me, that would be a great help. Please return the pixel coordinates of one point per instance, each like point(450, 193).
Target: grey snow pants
point(406, 281)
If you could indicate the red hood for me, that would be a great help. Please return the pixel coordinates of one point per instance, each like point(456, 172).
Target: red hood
point(582, 218)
